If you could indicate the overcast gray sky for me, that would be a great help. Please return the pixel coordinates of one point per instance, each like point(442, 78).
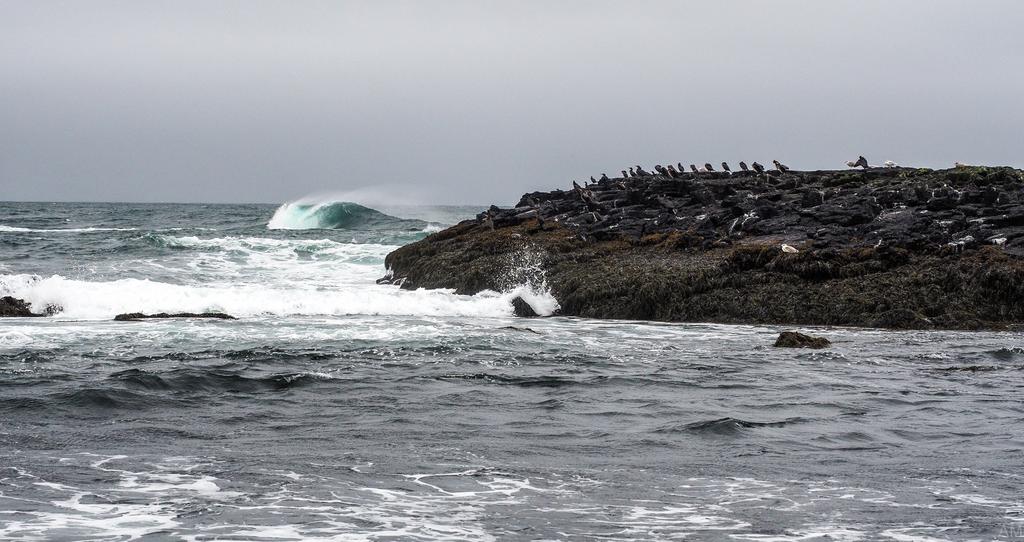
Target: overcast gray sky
point(477, 102)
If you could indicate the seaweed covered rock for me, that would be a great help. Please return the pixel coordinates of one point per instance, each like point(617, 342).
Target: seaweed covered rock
point(12, 306)
point(885, 247)
point(132, 316)
point(794, 339)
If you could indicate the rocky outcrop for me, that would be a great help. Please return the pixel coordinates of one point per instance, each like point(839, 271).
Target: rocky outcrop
point(794, 339)
point(884, 247)
point(11, 306)
point(132, 316)
point(523, 309)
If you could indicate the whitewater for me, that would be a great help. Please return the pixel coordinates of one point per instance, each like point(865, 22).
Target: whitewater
point(328, 268)
point(335, 408)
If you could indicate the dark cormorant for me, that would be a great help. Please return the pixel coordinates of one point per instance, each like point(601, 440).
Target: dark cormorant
point(708, 167)
point(725, 167)
point(861, 162)
point(743, 166)
point(604, 177)
point(694, 168)
point(757, 167)
point(780, 166)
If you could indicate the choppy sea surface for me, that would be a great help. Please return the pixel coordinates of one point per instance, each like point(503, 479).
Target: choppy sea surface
point(338, 409)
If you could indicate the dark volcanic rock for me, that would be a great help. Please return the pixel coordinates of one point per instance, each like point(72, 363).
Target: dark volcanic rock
point(11, 306)
point(886, 247)
point(523, 309)
point(793, 339)
point(130, 316)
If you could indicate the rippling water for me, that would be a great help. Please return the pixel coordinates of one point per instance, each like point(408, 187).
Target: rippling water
point(338, 409)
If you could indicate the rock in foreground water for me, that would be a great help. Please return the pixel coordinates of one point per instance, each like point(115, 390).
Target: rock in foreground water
point(523, 309)
point(793, 339)
point(130, 316)
point(12, 306)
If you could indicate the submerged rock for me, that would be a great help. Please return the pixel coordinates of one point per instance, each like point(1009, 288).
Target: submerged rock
point(793, 339)
point(521, 329)
point(12, 306)
point(970, 368)
point(130, 316)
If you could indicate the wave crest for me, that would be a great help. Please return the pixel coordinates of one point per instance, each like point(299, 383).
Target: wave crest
point(336, 215)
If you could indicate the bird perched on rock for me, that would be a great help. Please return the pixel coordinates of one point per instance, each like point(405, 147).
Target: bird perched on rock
point(661, 169)
point(725, 167)
point(851, 163)
point(743, 166)
point(625, 174)
point(788, 249)
point(707, 167)
point(592, 179)
point(604, 177)
point(757, 167)
point(576, 186)
point(890, 163)
point(861, 162)
point(672, 171)
point(780, 166)
point(960, 165)
point(640, 171)
point(632, 173)
point(694, 168)
point(680, 166)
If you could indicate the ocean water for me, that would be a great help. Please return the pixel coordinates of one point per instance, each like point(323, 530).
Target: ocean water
point(338, 409)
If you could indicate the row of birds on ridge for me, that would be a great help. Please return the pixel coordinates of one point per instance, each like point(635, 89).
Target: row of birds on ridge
point(679, 169)
point(671, 171)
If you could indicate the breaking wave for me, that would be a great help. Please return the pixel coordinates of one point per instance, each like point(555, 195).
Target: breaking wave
point(102, 300)
point(330, 215)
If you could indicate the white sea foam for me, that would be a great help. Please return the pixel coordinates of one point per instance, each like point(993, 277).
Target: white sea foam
point(92, 300)
point(296, 216)
point(15, 338)
point(249, 276)
point(102, 300)
point(4, 228)
point(141, 503)
point(281, 264)
point(276, 253)
point(538, 297)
